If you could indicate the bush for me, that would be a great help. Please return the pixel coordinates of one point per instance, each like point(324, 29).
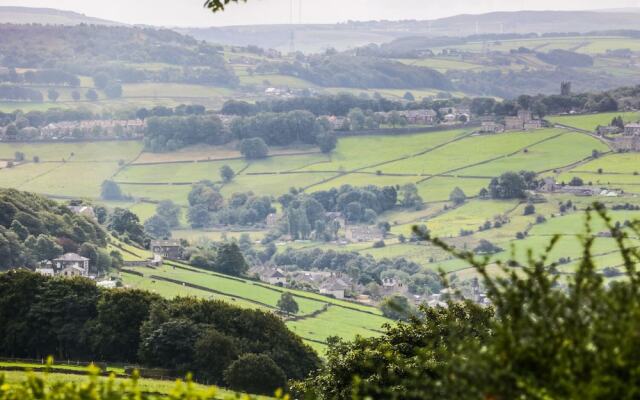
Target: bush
point(530, 209)
point(254, 148)
point(255, 373)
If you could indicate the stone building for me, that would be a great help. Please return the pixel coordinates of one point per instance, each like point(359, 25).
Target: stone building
point(171, 249)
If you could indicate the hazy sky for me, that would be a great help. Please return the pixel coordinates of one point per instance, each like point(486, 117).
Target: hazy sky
point(191, 13)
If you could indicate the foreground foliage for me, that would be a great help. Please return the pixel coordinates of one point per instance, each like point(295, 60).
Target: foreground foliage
point(546, 337)
point(73, 319)
point(41, 386)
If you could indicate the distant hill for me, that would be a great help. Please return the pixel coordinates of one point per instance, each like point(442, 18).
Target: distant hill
point(28, 15)
point(314, 38)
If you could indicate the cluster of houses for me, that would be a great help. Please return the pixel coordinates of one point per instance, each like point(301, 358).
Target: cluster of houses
point(550, 185)
point(129, 128)
point(339, 286)
point(524, 121)
point(112, 129)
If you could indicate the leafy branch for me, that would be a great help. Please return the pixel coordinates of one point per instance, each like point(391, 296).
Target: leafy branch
point(219, 5)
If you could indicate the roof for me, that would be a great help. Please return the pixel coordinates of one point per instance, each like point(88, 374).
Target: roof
point(337, 284)
point(165, 243)
point(633, 125)
point(71, 257)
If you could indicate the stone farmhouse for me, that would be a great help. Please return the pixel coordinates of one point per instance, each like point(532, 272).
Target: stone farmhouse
point(68, 265)
point(277, 278)
point(523, 121)
point(335, 287)
point(363, 233)
point(628, 140)
point(491, 127)
point(171, 249)
point(419, 117)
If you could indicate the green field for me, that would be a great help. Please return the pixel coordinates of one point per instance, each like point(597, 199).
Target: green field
point(590, 122)
point(467, 152)
point(341, 318)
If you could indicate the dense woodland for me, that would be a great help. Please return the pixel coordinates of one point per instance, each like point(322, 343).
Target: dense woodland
point(336, 70)
point(73, 319)
point(33, 228)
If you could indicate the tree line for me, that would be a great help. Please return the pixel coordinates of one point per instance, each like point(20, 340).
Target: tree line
point(343, 70)
point(169, 133)
point(41, 77)
point(217, 342)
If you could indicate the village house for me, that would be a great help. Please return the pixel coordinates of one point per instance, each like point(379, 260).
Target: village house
point(632, 129)
point(68, 265)
point(86, 211)
point(491, 127)
point(533, 124)
point(523, 121)
point(629, 140)
point(337, 123)
point(119, 128)
point(171, 249)
point(277, 278)
point(363, 233)
point(607, 130)
point(335, 287)
point(418, 117)
point(392, 286)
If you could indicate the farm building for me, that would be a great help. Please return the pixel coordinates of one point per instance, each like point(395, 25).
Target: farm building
point(363, 233)
point(419, 117)
point(491, 127)
point(629, 140)
point(277, 278)
point(632, 129)
point(171, 249)
point(523, 121)
point(334, 287)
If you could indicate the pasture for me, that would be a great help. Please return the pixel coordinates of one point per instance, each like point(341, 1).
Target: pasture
point(590, 122)
point(335, 317)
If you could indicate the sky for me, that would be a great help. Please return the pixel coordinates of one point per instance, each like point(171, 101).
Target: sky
point(191, 12)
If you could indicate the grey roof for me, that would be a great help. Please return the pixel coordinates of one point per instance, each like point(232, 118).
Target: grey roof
point(71, 257)
point(337, 284)
point(165, 243)
point(277, 274)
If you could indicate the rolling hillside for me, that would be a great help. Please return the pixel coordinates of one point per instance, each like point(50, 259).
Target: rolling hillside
point(315, 38)
point(29, 15)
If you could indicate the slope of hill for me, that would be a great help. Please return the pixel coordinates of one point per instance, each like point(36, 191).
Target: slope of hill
point(314, 38)
point(28, 15)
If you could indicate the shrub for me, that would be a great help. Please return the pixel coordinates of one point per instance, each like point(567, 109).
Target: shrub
point(255, 373)
point(530, 209)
